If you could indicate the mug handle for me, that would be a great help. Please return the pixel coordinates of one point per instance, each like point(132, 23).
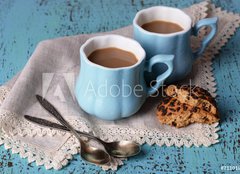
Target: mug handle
point(211, 22)
point(160, 58)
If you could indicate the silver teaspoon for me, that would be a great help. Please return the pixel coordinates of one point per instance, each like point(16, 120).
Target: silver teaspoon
point(117, 148)
point(88, 153)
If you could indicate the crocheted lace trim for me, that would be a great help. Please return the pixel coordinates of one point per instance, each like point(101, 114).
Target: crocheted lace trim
point(206, 135)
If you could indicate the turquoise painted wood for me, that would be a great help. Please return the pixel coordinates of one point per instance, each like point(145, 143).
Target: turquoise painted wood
point(24, 23)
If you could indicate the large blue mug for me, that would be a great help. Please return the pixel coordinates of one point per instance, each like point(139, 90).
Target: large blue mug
point(115, 93)
point(177, 43)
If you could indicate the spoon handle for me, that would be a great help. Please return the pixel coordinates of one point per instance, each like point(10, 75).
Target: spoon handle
point(46, 123)
point(52, 110)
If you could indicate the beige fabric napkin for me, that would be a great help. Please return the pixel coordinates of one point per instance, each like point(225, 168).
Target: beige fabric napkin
point(51, 71)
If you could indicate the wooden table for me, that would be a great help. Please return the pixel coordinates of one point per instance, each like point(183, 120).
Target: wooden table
point(24, 23)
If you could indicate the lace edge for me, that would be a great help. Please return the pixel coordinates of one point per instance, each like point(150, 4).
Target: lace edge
point(32, 154)
point(218, 43)
point(71, 146)
point(141, 136)
point(208, 137)
point(57, 161)
point(4, 90)
point(225, 34)
point(202, 7)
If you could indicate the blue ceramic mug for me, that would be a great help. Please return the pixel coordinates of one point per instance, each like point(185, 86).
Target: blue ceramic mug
point(177, 43)
point(115, 93)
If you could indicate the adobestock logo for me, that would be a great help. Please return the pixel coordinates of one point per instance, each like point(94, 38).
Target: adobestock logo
point(61, 85)
point(114, 90)
point(58, 84)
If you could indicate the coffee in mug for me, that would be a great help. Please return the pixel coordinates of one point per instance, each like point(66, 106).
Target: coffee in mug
point(115, 93)
point(163, 27)
point(113, 57)
point(152, 29)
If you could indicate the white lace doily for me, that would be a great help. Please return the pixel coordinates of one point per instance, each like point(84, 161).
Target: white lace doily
point(28, 139)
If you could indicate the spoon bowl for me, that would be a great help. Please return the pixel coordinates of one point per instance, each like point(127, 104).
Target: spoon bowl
point(123, 149)
point(94, 155)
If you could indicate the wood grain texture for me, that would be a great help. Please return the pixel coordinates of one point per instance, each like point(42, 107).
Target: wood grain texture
point(24, 23)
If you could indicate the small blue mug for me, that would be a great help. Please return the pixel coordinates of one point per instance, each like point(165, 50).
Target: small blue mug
point(177, 43)
point(115, 93)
